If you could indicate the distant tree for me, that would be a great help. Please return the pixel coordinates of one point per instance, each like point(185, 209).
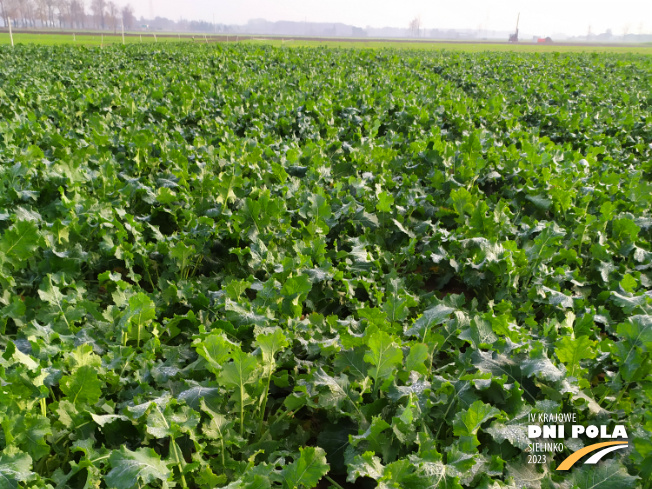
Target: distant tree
point(51, 7)
point(626, 29)
point(29, 14)
point(12, 11)
point(21, 12)
point(128, 17)
point(99, 11)
point(63, 13)
point(415, 26)
point(112, 11)
point(3, 13)
point(9, 8)
point(77, 12)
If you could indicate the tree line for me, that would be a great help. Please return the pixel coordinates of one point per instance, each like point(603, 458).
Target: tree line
point(73, 14)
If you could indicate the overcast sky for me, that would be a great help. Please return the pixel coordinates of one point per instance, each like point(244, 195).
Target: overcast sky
point(540, 17)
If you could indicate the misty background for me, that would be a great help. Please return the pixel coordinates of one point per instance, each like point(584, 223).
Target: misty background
point(580, 20)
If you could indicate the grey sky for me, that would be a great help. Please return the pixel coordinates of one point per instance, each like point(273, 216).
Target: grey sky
point(541, 17)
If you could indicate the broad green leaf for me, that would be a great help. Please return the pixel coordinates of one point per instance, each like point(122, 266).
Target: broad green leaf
point(240, 371)
point(83, 355)
point(339, 391)
point(296, 286)
point(479, 333)
point(141, 309)
point(628, 283)
point(236, 288)
point(365, 465)
point(498, 365)
point(104, 419)
point(630, 302)
point(401, 474)
point(515, 434)
point(437, 474)
point(208, 480)
point(365, 219)
point(215, 429)
point(19, 243)
point(227, 184)
point(30, 435)
point(319, 209)
point(540, 201)
point(554, 297)
point(374, 436)
point(82, 386)
point(431, 317)
point(352, 362)
point(129, 469)
point(609, 474)
point(183, 253)
point(196, 394)
point(307, 470)
point(522, 475)
point(215, 349)
point(15, 467)
point(468, 422)
point(461, 462)
point(51, 294)
point(571, 351)
point(398, 301)
point(416, 358)
point(635, 347)
point(540, 366)
point(404, 425)
point(384, 355)
point(637, 331)
point(270, 344)
point(385, 202)
point(625, 229)
point(157, 424)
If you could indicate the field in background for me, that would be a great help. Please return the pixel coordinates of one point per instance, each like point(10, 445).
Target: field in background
point(466, 46)
point(95, 39)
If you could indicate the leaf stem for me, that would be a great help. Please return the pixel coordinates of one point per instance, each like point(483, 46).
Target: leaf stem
point(618, 398)
point(333, 482)
point(450, 405)
point(197, 263)
point(242, 393)
point(184, 484)
point(264, 403)
point(173, 447)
